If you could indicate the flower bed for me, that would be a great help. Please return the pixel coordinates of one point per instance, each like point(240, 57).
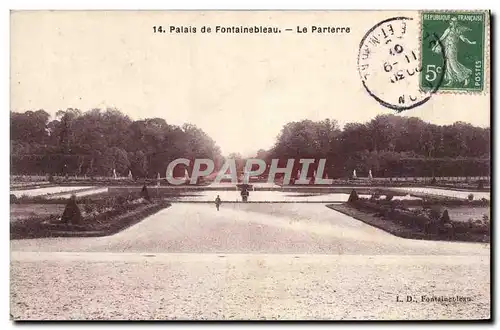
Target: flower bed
point(447, 201)
point(429, 222)
point(98, 198)
point(99, 218)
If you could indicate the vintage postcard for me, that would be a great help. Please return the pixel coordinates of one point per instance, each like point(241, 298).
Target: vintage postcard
point(250, 165)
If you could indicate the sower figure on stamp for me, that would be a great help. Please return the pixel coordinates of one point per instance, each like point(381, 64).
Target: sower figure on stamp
point(455, 71)
point(217, 202)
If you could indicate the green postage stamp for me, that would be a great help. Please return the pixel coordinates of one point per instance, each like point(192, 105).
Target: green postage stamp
point(453, 51)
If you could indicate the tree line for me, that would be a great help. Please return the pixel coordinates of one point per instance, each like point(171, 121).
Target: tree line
point(388, 145)
point(99, 142)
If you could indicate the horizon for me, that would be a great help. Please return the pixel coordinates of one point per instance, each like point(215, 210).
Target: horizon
point(252, 152)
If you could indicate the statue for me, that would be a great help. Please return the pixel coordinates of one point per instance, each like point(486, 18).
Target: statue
point(370, 176)
point(114, 174)
point(244, 191)
point(130, 175)
point(354, 176)
point(244, 195)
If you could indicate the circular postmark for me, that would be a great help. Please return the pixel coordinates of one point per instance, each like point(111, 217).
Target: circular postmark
point(389, 64)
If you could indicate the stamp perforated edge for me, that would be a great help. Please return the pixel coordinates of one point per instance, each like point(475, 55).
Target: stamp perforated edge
point(486, 51)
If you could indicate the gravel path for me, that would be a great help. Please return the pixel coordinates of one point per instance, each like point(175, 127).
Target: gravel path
point(208, 286)
point(252, 228)
point(247, 261)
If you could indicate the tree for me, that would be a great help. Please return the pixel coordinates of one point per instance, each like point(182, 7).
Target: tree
point(29, 127)
point(95, 142)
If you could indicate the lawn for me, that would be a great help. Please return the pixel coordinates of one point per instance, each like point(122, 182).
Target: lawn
point(101, 217)
point(25, 211)
point(465, 213)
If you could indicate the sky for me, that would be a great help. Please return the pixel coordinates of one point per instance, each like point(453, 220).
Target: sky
point(240, 89)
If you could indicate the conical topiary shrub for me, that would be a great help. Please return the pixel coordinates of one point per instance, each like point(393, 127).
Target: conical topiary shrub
point(72, 214)
point(353, 197)
point(445, 217)
point(145, 193)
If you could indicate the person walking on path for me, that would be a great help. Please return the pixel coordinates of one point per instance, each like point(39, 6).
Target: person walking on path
point(217, 202)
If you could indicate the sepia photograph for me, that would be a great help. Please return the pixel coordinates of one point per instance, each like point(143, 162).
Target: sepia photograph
point(250, 165)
